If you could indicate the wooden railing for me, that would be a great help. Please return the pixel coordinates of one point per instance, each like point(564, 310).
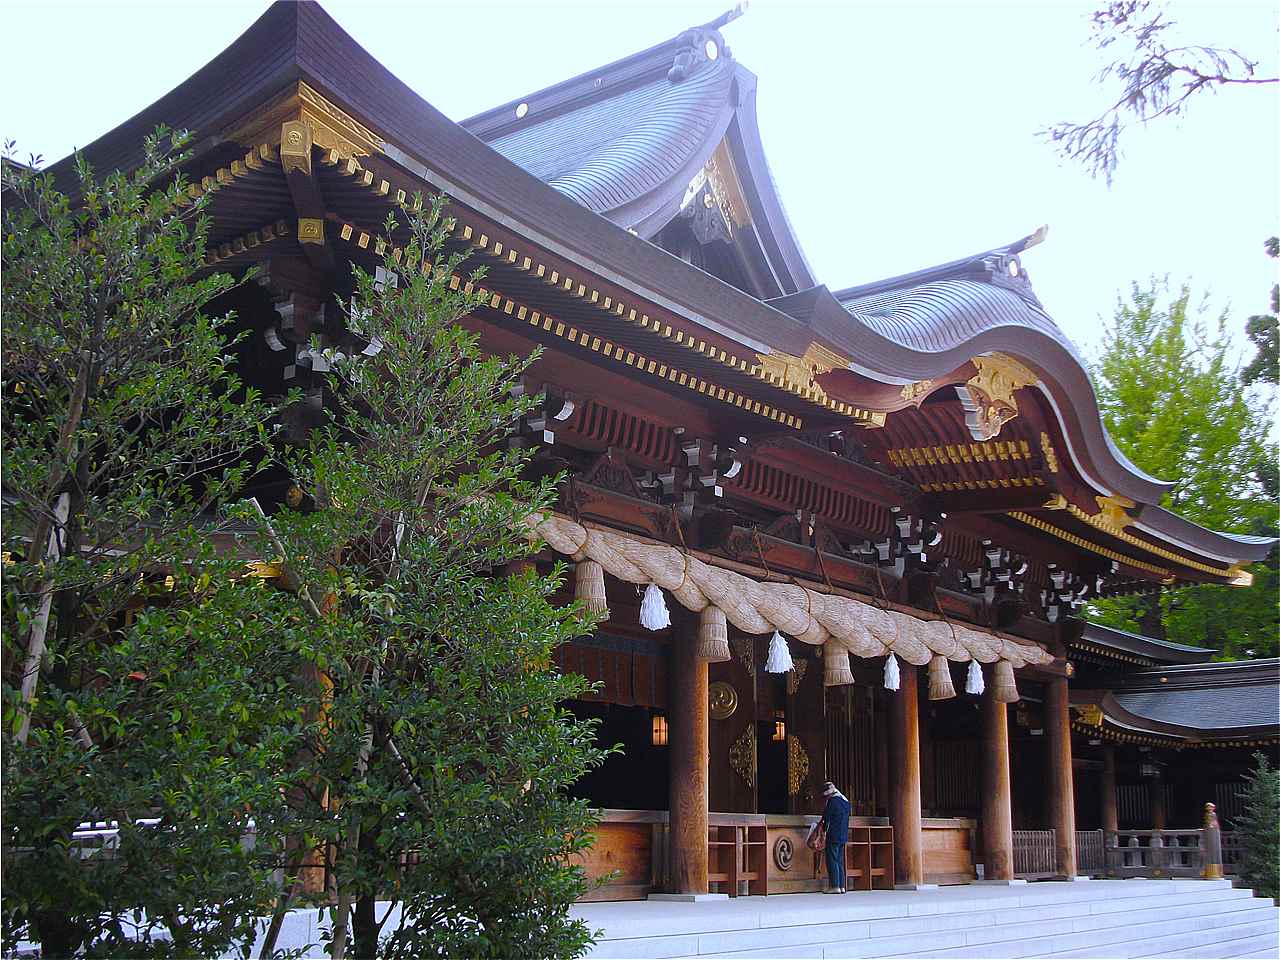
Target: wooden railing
point(1154, 853)
point(1232, 851)
point(1091, 852)
point(1035, 855)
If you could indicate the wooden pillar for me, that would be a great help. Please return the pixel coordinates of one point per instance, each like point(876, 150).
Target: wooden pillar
point(1110, 819)
point(997, 806)
point(1159, 810)
point(1061, 800)
point(688, 746)
point(904, 779)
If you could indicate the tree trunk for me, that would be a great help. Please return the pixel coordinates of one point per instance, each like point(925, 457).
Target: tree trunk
point(364, 928)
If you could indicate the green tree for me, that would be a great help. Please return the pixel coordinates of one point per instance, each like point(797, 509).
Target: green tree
point(1156, 79)
point(1176, 406)
point(141, 682)
point(441, 768)
point(1264, 330)
point(1259, 829)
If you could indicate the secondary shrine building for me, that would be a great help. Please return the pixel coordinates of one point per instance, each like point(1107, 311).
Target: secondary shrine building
point(902, 487)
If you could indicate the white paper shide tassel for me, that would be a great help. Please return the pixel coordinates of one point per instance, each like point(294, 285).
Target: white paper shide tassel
point(653, 609)
point(892, 676)
point(973, 682)
point(779, 656)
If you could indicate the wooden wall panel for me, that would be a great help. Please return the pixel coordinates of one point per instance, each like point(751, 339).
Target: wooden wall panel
point(734, 769)
point(806, 731)
point(947, 846)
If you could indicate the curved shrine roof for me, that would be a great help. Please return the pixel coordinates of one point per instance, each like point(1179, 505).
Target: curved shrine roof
point(1196, 701)
point(617, 150)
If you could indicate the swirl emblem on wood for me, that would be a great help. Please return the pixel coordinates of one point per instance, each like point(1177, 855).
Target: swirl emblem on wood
point(784, 852)
point(722, 700)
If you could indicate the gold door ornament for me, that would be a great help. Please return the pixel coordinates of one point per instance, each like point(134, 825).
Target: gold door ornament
point(795, 676)
point(722, 700)
point(797, 766)
point(742, 756)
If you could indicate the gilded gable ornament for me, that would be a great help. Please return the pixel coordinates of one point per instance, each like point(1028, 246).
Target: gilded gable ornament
point(988, 396)
point(1111, 515)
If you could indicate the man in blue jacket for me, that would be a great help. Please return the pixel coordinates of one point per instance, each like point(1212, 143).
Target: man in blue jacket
point(835, 818)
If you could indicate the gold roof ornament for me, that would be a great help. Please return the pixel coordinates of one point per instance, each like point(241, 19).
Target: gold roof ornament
point(1111, 515)
point(988, 396)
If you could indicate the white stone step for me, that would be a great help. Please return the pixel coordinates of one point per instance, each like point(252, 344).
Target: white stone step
point(1146, 939)
point(1082, 919)
point(1262, 945)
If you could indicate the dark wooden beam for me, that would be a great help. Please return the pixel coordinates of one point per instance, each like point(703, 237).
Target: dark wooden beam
point(308, 201)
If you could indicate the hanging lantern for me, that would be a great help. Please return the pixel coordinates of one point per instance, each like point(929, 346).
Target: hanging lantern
point(713, 635)
point(1006, 688)
point(588, 588)
point(779, 660)
point(653, 609)
point(940, 685)
point(835, 662)
point(892, 675)
point(973, 682)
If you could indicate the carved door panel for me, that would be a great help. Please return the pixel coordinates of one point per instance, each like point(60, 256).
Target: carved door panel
point(733, 772)
point(806, 731)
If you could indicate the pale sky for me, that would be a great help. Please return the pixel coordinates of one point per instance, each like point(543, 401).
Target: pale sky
point(900, 135)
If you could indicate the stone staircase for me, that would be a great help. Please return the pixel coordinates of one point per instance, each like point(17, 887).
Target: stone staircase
point(1098, 918)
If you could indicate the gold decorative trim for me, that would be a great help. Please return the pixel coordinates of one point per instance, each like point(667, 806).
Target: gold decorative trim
point(256, 159)
point(1102, 521)
point(742, 755)
point(587, 340)
point(1090, 714)
point(817, 354)
point(988, 396)
point(797, 766)
point(310, 230)
point(960, 453)
point(799, 374)
point(917, 390)
point(1111, 515)
point(1001, 483)
point(246, 242)
point(1050, 455)
point(1087, 544)
point(296, 141)
point(1055, 502)
point(332, 128)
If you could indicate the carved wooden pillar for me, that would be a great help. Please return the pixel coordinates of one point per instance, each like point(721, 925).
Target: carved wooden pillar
point(1110, 819)
point(688, 745)
point(997, 807)
point(904, 778)
point(1061, 800)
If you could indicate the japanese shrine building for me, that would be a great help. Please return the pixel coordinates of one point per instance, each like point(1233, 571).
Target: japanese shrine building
point(909, 473)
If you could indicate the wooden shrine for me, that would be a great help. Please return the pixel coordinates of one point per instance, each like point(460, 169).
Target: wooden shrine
point(906, 478)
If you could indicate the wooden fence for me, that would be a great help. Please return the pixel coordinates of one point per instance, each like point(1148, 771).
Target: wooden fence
point(1091, 853)
point(1035, 855)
